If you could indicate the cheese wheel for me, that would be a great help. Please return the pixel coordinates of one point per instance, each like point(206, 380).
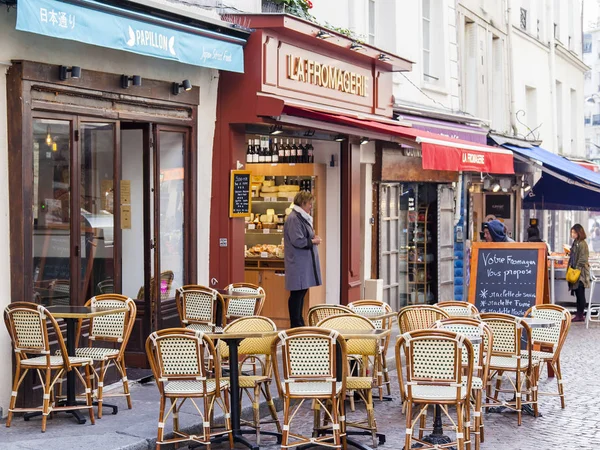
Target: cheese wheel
point(268, 183)
point(289, 188)
point(289, 195)
point(270, 212)
point(270, 218)
point(270, 189)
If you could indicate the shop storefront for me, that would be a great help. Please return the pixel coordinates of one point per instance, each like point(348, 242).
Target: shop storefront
point(303, 70)
point(105, 151)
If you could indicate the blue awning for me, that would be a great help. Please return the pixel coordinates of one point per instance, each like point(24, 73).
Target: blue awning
point(108, 26)
point(564, 185)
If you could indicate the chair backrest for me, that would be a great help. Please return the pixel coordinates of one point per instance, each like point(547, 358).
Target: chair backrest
point(506, 331)
point(106, 287)
point(550, 336)
point(244, 307)
point(27, 325)
point(177, 354)
point(373, 308)
point(309, 355)
point(319, 312)
point(470, 327)
point(459, 309)
point(198, 304)
point(252, 346)
point(434, 358)
point(419, 317)
point(115, 327)
point(366, 347)
point(166, 281)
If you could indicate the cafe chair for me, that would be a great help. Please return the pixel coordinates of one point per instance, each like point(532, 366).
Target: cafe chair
point(508, 357)
point(551, 341)
point(166, 282)
point(459, 309)
point(244, 307)
point(372, 309)
point(364, 349)
point(310, 372)
point(106, 287)
point(319, 312)
point(470, 327)
point(28, 326)
point(107, 341)
point(259, 351)
point(198, 308)
point(178, 359)
point(436, 374)
point(419, 317)
point(593, 311)
point(61, 292)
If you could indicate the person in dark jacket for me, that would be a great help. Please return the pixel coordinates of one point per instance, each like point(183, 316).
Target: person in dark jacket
point(578, 259)
point(301, 255)
point(495, 231)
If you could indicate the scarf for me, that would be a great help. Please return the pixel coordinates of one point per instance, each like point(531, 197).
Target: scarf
point(304, 215)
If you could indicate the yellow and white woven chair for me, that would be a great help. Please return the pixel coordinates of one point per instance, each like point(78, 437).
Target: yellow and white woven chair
point(27, 325)
point(469, 328)
point(459, 309)
point(244, 307)
point(310, 373)
point(319, 312)
point(178, 360)
point(435, 375)
point(259, 350)
point(419, 317)
point(198, 308)
point(112, 329)
point(373, 309)
point(507, 356)
point(365, 349)
point(551, 341)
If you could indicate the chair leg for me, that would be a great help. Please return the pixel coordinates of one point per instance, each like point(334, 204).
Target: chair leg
point(518, 396)
point(175, 414)
point(13, 395)
point(256, 411)
point(46, 402)
point(271, 405)
point(559, 381)
point(409, 430)
point(498, 385)
point(467, 427)
point(335, 421)
point(423, 422)
point(101, 371)
point(286, 422)
point(88, 392)
point(121, 365)
point(228, 417)
point(342, 421)
point(460, 440)
point(478, 420)
point(161, 422)
point(316, 407)
point(371, 416)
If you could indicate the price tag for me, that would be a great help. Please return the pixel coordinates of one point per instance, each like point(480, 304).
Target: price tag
point(251, 226)
point(264, 254)
point(266, 230)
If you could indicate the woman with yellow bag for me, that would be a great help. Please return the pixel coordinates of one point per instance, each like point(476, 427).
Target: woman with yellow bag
point(578, 272)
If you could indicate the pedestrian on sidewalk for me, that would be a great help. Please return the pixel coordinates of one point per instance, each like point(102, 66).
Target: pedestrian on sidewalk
point(578, 259)
point(533, 235)
point(495, 231)
point(301, 255)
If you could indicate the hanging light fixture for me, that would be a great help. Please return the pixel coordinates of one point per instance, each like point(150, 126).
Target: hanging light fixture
point(54, 147)
point(496, 187)
point(48, 137)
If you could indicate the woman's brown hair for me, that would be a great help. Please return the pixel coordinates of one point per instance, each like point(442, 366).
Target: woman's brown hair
point(580, 232)
point(303, 197)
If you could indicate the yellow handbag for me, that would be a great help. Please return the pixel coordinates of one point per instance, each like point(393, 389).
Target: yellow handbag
point(573, 275)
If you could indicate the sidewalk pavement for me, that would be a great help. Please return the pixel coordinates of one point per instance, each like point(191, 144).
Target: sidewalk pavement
point(575, 427)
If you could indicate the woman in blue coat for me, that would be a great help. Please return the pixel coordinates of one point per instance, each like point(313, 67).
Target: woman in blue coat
point(302, 266)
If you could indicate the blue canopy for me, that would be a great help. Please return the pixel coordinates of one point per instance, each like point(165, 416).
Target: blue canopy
point(564, 185)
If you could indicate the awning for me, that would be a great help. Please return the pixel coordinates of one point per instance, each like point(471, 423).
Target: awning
point(439, 152)
point(107, 26)
point(564, 185)
point(587, 164)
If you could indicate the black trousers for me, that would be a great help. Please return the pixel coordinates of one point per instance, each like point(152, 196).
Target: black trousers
point(580, 296)
point(295, 306)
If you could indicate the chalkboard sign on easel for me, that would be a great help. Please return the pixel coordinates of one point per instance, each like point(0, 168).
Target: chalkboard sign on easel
point(240, 200)
point(508, 278)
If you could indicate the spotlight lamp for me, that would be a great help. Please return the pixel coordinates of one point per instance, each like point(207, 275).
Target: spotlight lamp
point(184, 86)
point(322, 34)
point(384, 58)
point(526, 186)
point(275, 130)
point(127, 81)
point(357, 47)
point(496, 187)
point(364, 140)
point(65, 72)
point(339, 138)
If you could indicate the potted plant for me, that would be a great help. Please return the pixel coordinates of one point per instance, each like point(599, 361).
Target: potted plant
point(296, 7)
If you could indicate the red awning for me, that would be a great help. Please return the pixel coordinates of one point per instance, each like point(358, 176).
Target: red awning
point(587, 164)
point(439, 152)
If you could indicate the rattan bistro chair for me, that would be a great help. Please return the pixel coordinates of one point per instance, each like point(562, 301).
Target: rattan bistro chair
point(319, 312)
point(507, 356)
point(470, 327)
point(435, 376)
point(459, 309)
point(551, 341)
point(372, 309)
point(178, 358)
point(419, 317)
point(28, 325)
point(244, 307)
point(362, 384)
point(198, 308)
point(113, 329)
point(309, 372)
point(259, 350)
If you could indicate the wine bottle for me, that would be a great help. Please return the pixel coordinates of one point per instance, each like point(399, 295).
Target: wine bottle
point(294, 152)
point(274, 151)
point(301, 153)
point(262, 155)
point(310, 153)
point(281, 150)
point(249, 152)
point(256, 154)
point(288, 151)
point(268, 154)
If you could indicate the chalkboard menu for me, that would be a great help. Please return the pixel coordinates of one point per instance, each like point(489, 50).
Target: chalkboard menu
point(508, 278)
point(240, 199)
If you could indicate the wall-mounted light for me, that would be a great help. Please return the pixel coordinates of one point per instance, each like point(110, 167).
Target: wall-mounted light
point(339, 138)
point(356, 47)
point(48, 137)
point(364, 140)
point(495, 187)
point(324, 34)
point(185, 86)
point(127, 81)
point(526, 186)
point(384, 58)
point(54, 147)
point(64, 71)
point(275, 130)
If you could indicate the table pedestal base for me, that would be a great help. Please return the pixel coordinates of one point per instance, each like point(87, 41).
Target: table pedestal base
point(74, 412)
point(241, 439)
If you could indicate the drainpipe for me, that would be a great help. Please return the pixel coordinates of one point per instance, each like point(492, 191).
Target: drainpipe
point(458, 194)
point(511, 70)
point(553, 93)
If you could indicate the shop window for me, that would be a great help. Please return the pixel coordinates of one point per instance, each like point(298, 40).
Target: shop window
point(433, 41)
point(372, 19)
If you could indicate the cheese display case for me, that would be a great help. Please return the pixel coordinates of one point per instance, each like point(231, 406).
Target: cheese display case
point(273, 188)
